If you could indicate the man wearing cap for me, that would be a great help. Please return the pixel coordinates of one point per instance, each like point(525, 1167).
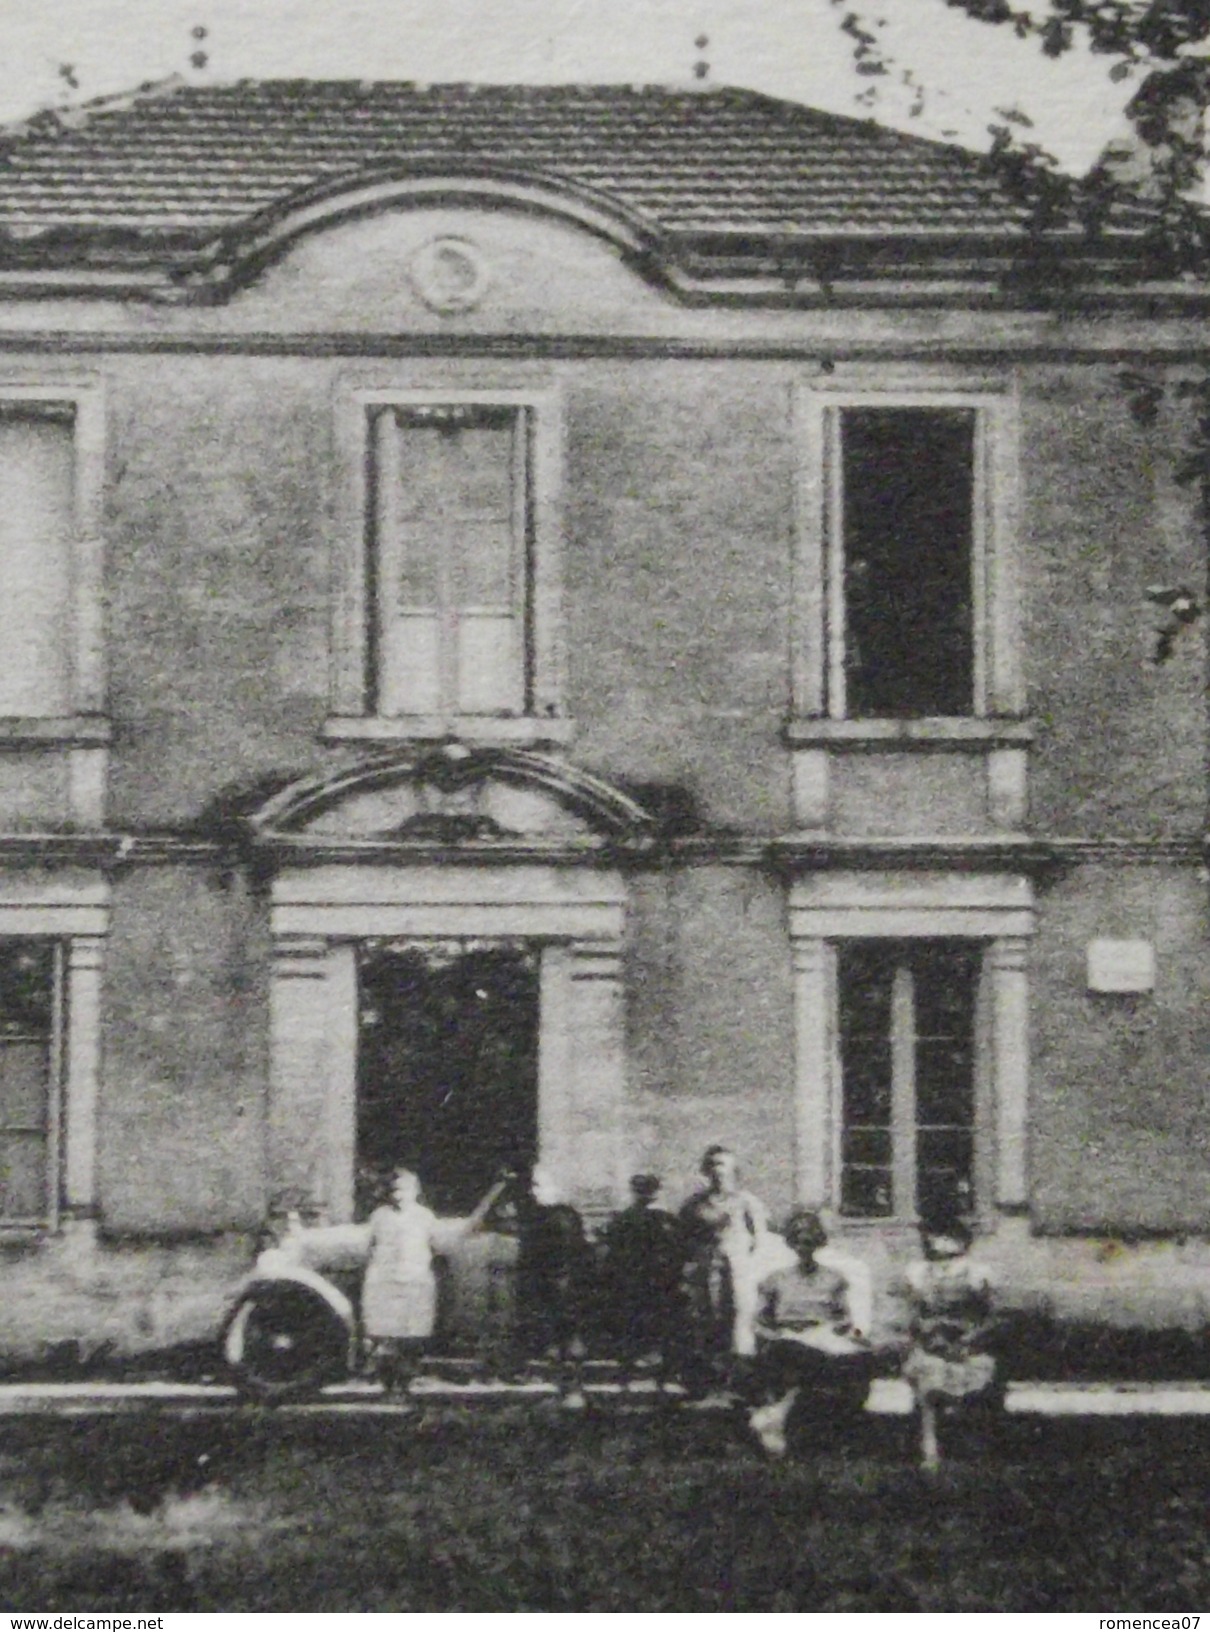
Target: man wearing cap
point(643, 1252)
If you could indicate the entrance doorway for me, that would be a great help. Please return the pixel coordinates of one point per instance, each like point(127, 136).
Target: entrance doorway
point(447, 1068)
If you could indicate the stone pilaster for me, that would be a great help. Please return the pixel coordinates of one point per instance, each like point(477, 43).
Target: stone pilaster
point(814, 979)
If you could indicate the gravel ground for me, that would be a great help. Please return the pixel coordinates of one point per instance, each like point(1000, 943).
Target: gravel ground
point(511, 1507)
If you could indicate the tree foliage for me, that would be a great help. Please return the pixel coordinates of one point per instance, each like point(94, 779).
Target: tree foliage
point(1162, 48)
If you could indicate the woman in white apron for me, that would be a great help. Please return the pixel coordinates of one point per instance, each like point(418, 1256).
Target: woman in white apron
point(399, 1292)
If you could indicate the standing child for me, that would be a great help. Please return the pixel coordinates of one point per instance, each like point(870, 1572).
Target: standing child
point(947, 1362)
point(399, 1293)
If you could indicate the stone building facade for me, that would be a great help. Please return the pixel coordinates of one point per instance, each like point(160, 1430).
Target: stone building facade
point(582, 623)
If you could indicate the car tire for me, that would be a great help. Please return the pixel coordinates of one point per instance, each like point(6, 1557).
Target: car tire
point(284, 1343)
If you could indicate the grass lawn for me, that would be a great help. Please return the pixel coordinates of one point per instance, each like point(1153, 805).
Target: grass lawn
point(512, 1507)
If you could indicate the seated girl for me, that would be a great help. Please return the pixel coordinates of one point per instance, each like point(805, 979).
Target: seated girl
point(947, 1362)
point(810, 1355)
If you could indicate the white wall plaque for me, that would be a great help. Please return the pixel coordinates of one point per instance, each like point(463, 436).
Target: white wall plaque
point(1121, 966)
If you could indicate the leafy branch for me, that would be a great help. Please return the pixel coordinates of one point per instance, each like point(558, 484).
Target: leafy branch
point(1162, 47)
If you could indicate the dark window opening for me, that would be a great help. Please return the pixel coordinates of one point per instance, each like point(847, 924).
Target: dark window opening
point(447, 1074)
point(908, 538)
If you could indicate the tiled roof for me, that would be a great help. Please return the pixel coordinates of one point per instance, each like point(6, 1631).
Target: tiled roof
point(180, 192)
point(188, 161)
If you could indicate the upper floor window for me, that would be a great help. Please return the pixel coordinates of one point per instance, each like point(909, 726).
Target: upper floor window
point(51, 484)
point(451, 571)
point(30, 1051)
point(37, 521)
point(905, 600)
point(450, 620)
point(905, 562)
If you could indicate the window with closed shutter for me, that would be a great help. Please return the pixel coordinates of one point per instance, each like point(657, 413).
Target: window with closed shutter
point(37, 525)
point(450, 590)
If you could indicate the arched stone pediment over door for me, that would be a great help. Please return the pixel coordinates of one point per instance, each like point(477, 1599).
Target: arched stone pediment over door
point(430, 857)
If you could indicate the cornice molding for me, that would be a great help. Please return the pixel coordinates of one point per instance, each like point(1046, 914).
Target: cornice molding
point(1057, 345)
point(788, 852)
point(1180, 852)
point(87, 850)
point(792, 290)
point(811, 852)
point(760, 268)
point(107, 850)
point(1031, 853)
point(275, 852)
point(60, 731)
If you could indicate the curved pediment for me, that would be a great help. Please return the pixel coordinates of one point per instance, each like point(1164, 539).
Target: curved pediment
point(475, 186)
point(471, 798)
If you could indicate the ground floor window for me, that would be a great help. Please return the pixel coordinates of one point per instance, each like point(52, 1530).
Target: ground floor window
point(908, 1075)
point(31, 981)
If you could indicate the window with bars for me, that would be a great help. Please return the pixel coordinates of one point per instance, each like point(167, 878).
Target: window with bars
point(908, 1013)
point(451, 568)
point(906, 493)
point(31, 976)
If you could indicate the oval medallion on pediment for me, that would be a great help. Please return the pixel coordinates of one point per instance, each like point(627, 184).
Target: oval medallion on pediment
point(449, 274)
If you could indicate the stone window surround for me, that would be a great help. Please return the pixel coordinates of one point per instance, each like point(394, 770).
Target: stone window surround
point(817, 729)
point(452, 387)
point(995, 908)
point(575, 919)
point(73, 910)
point(84, 733)
point(818, 555)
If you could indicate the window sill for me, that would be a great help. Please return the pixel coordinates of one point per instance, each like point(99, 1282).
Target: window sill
point(22, 1235)
point(979, 1223)
point(489, 730)
point(955, 735)
point(59, 731)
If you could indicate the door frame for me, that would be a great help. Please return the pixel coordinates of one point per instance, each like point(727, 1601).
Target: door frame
point(575, 918)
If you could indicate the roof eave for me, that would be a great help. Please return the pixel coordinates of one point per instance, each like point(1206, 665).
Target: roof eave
point(740, 268)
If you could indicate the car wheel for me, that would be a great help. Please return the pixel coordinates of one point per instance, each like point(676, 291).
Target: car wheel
point(284, 1343)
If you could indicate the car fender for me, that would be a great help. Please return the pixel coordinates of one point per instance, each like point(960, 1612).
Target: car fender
point(276, 1268)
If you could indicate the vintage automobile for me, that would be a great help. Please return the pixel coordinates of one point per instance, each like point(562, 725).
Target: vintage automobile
point(294, 1323)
